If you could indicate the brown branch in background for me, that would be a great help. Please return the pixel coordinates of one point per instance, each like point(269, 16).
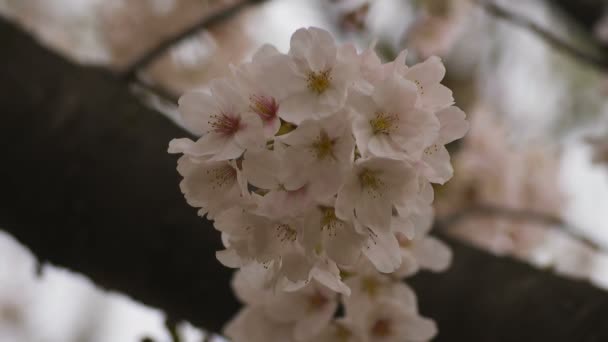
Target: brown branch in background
point(156, 90)
point(598, 62)
point(89, 186)
point(516, 215)
point(130, 73)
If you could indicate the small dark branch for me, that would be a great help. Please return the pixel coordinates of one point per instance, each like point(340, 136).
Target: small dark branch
point(516, 215)
point(130, 73)
point(158, 91)
point(600, 63)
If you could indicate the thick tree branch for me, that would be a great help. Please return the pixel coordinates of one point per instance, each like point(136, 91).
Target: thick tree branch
point(594, 60)
point(86, 183)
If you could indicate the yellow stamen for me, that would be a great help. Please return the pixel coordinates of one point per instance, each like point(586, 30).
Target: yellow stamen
point(368, 179)
point(383, 123)
point(323, 146)
point(318, 82)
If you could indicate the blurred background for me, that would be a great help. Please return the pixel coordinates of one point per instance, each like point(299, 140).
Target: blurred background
point(531, 177)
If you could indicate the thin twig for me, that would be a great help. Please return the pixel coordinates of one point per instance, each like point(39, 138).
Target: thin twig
point(130, 73)
point(552, 39)
point(514, 215)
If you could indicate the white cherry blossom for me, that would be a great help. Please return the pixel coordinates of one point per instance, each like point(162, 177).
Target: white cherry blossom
point(211, 185)
point(427, 76)
point(228, 127)
point(320, 75)
point(387, 123)
point(435, 161)
point(371, 190)
point(322, 152)
point(316, 167)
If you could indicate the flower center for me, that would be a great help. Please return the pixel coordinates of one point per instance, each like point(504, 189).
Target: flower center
point(383, 123)
point(265, 106)
point(382, 328)
point(323, 146)
point(319, 81)
point(221, 176)
point(286, 233)
point(225, 124)
point(368, 180)
point(329, 221)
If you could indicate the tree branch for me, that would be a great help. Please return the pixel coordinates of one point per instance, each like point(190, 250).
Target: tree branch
point(516, 215)
point(598, 62)
point(86, 184)
point(130, 73)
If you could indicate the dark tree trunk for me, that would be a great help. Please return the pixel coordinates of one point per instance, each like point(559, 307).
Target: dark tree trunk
point(86, 184)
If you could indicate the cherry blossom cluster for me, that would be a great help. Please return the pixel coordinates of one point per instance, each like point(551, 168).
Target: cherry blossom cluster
point(316, 167)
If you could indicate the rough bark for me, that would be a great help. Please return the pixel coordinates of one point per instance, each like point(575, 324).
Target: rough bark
point(86, 183)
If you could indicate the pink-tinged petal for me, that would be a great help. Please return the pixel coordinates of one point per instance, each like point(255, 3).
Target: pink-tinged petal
point(326, 272)
point(409, 265)
point(304, 134)
point(208, 145)
point(345, 246)
point(297, 107)
point(260, 168)
point(373, 211)
point(250, 133)
point(436, 97)
point(229, 258)
point(438, 167)
point(429, 72)
point(362, 104)
point(404, 226)
point(230, 150)
point(417, 130)
point(382, 145)
point(453, 124)
point(414, 327)
point(345, 202)
point(180, 145)
point(314, 45)
point(195, 108)
point(226, 94)
point(432, 254)
point(295, 267)
point(286, 306)
point(265, 51)
point(404, 296)
point(383, 251)
point(395, 94)
point(245, 290)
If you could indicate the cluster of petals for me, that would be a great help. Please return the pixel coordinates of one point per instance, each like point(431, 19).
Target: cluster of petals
point(316, 166)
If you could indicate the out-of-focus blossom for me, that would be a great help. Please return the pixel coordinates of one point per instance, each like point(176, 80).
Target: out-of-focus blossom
point(492, 175)
point(437, 27)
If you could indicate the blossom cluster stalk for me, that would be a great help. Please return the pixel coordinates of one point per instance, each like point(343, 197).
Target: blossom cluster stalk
point(316, 167)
